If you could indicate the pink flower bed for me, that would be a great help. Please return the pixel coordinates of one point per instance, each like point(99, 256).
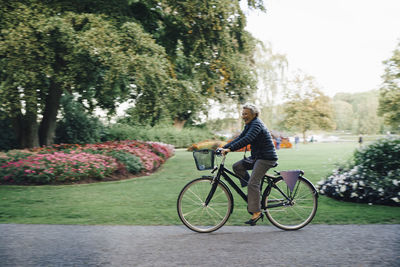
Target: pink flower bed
point(59, 167)
point(151, 154)
point(70, 162)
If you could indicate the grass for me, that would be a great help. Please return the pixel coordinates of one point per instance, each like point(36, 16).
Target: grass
point(151, 200)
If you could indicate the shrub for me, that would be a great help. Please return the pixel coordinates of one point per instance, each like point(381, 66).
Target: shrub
point(131, 162)
point(169, 135)
point(373, 176)
point(7, 136)
point(76, 126)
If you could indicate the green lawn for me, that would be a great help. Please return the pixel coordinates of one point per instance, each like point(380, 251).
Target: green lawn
point(151, 200)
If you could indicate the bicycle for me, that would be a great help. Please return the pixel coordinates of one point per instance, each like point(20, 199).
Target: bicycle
point(204, 205)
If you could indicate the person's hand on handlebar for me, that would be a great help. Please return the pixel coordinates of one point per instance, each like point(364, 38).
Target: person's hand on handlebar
point(225, 151)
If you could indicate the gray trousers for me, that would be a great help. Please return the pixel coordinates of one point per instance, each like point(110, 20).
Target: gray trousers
point(260, 167)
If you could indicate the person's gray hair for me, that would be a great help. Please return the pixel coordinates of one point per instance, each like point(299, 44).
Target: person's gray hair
point(253, 108)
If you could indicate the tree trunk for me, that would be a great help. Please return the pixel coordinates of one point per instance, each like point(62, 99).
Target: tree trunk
point(240, 122)
point(26, 130)
point(48, 124)
point(304, 138)
point(179, 123)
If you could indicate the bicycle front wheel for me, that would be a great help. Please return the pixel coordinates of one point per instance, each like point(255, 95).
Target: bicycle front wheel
point(293, 214)
point(198, 216)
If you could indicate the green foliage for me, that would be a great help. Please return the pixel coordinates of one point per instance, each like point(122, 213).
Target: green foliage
point(7, 137)
point(373, 176)
point(357, 112)
point(389, 100)
point(382, 156)
point(308, 108)
point(343, 115)
point(131, 162)
point(167, 56)
point(83, 53)
point(76, 126)
point(169, 135)
point(15, 155)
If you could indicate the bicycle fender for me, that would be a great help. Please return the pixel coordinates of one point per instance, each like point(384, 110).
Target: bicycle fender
point(315, 190)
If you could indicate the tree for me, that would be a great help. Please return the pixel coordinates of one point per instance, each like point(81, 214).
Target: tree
point(389, 100)
point(308, 108)
point(44, 54)
point(343, 115)
point(210, 52)
point(272, 82)
point(168, 56)
point(358, 112)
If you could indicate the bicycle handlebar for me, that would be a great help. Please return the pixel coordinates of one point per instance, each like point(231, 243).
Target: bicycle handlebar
point(218, 151)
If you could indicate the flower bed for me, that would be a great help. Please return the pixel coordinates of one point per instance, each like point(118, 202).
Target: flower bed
point(71, 163)
point(151, 154)
point(58, 167)
point(373, 177)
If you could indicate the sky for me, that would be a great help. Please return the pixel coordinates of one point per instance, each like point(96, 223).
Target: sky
point(342, 43)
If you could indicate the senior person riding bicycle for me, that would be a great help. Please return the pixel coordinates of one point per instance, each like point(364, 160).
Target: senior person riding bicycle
point(263, 157)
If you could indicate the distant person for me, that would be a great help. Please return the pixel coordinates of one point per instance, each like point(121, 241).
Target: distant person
point(360, 140)
point(296, 141)
point(278, 142)
point(312, 139)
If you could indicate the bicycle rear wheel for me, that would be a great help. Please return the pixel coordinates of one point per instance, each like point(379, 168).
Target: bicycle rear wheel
point(200, 217)
point(297, 212)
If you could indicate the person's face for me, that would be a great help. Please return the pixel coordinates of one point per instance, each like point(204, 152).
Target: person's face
point(247, 115)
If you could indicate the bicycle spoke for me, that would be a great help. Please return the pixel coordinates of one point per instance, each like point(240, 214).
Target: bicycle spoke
point(215, 211)
point(190, 212)
point(190, 190)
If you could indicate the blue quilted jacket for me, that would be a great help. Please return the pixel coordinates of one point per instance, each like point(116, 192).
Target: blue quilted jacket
point(257, 135)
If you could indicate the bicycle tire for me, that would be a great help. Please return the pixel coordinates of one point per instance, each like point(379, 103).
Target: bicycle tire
point(193, 212)
point(297, 213)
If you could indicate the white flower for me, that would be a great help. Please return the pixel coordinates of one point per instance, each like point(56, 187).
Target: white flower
point(395, 199)
point(353, 171)
point(396, 182)
point(354, 194)
point(343, 188)
point(321, 192)
point(355, 185)
point(361, 183)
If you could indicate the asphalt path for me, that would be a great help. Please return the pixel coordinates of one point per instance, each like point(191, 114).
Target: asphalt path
point(314, 245)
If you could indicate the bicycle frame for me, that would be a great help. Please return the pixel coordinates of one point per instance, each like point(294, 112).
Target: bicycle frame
point(222, 171)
